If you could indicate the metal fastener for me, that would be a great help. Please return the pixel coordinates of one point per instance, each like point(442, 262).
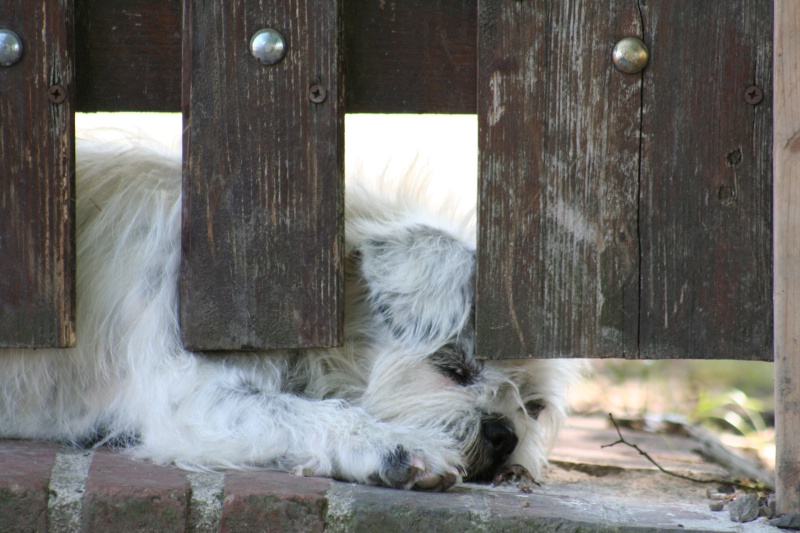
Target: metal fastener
point(317, 93)
point(630, 55)
point(268, 46)
point(753, 95)
point(56, 94)
point(10, 48)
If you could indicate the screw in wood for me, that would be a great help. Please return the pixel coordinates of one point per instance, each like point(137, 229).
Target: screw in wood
point(753, 95)
point(317, 93)
point(56, 94)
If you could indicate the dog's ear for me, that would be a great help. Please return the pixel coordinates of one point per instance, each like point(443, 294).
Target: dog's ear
point(419, 283)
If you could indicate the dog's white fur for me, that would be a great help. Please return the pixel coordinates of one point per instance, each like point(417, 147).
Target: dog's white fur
point(403, 403)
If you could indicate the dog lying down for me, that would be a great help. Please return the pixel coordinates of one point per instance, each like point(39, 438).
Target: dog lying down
point(404, 403)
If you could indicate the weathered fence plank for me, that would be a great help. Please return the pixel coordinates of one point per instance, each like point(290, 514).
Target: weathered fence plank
point(410, 56)
point(415, 56)
point(37, 270)
point(128, 55)
point(787, 254)
point(625, 214)
point(559, 149)
point(693, 229)
point(263, 179)
point(706, 180)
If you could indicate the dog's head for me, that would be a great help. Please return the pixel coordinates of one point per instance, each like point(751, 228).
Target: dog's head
point(414, 289)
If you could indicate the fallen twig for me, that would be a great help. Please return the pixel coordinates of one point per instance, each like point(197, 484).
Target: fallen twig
point(711, 448)
point(644, 454)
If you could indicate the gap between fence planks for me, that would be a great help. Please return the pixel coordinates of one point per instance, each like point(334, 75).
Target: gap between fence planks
point(786, 190)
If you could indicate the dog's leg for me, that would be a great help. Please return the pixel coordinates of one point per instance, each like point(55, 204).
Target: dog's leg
point(225, 415)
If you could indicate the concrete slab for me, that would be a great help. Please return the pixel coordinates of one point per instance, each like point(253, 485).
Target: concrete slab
point(588, 488)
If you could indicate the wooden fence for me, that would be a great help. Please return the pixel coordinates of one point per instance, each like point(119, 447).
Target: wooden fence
point(620, 214)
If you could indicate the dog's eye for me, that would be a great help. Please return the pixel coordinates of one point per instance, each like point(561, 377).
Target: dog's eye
point(453, 362)
point(459, 374)
point(534, 408)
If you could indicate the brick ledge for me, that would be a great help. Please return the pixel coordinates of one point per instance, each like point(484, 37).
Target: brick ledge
point(44, 487)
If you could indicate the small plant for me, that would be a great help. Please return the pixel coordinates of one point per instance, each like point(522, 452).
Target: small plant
point(733, 407)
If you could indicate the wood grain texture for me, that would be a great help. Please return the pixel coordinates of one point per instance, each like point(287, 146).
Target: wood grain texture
point(410, 56)
point(787, 254)
point(706, 180)
point(263, 180)
point(37, 242)
point(128, 55)
point(624, 215)
point(414, 56)
point(557, 270)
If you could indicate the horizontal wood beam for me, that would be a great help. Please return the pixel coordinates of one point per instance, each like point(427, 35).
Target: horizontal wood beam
point(415, 56)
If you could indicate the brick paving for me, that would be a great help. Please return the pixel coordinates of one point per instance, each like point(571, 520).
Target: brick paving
point(44, 487)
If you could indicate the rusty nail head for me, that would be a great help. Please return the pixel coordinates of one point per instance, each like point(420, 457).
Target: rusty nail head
point(753, 95)
point(56, 94)
point(317, 93)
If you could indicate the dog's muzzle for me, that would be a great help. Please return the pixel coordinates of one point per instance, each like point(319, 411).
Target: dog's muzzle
point(498, 439)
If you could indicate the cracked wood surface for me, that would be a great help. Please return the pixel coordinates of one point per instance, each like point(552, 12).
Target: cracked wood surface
point(624, 215)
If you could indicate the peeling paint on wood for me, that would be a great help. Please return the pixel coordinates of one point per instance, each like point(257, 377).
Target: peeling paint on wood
point(37, 268)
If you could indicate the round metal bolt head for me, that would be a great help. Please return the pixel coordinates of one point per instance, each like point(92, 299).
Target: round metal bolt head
point(268, 46)
point(630, 55)
point(10, 48)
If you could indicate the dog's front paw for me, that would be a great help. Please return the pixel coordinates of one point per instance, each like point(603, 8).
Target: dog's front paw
point(403, 469)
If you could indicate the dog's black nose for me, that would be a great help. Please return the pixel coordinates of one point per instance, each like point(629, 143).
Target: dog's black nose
point(499, 433)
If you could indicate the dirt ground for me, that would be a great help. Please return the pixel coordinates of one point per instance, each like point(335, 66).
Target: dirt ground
point(618, 480)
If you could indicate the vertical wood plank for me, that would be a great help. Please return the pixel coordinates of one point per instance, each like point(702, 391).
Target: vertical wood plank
point(263, 181)
point(787, 253)
point(557, 267)
point(706, 178)
point(37, 269)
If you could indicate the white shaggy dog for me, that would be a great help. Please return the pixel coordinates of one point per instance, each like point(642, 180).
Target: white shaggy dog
point(404, 403)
